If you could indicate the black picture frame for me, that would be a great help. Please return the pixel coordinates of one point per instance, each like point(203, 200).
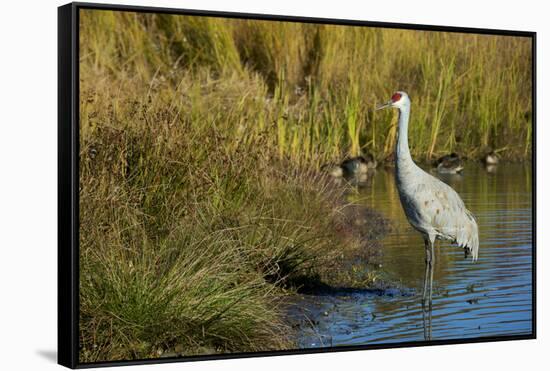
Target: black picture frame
point(68, 180)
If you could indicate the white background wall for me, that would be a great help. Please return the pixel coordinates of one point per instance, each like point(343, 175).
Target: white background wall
point(28, 155)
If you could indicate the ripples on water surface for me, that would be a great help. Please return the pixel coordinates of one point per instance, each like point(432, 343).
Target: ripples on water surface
point(489, 298)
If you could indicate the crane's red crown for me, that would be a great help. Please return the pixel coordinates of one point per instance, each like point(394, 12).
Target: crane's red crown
point(395, 97)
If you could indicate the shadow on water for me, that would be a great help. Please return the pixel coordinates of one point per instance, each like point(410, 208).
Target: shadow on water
point(458, 298)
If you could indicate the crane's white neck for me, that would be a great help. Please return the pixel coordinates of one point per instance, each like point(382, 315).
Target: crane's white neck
point(402, 152)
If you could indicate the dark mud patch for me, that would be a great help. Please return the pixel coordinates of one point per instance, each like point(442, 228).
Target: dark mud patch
point(356, 268)
point(357, 264)
point(317, 318)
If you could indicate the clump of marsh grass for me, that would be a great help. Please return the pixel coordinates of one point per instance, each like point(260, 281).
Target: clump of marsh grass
point(188, 248)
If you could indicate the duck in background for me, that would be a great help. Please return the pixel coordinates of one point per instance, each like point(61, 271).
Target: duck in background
point(371, 161)
point(335, 171)
point(491, 158)
point(449, 164)
point(389, 161)
point(354, 167)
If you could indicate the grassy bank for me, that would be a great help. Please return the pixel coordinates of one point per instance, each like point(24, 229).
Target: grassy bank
point(201, 139)
point(188, 240)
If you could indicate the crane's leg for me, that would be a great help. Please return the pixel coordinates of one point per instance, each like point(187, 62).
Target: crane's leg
point(432, 250)
point(428, 250)
point(425, 325)
point(430, 295)
point(432, 263)
point(425, 314)
point(426, 272)
point(429, 242)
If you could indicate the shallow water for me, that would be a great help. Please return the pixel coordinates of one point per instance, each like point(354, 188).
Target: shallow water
point(491, 297)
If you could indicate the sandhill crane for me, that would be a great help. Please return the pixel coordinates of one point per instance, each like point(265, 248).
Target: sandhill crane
point(432, 207)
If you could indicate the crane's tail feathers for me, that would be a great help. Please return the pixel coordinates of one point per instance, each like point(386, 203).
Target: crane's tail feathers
point(473, 240)
point(468, 236)
point(473, 247)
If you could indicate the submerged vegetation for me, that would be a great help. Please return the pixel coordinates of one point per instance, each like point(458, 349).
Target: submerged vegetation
point(202, 205)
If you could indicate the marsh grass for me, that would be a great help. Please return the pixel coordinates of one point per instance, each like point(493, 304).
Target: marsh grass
point(191, 232)
point(470, 92)
point(202, 206)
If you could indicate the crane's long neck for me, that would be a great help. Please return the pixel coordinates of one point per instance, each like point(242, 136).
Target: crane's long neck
point(402, 152)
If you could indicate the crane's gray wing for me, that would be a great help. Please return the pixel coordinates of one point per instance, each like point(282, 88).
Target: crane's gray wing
point(444, 213)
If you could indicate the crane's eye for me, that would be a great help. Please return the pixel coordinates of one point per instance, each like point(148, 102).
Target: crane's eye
point(395, 97)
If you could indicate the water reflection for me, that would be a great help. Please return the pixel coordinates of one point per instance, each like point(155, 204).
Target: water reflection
point(458, 298)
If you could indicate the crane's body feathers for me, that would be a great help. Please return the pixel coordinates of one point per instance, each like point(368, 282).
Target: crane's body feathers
point(435, 209)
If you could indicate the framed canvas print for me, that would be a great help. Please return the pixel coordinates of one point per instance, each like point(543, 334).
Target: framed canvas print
point(236, 185)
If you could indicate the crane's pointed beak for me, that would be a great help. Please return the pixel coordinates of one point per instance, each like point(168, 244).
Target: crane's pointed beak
point(384, 105)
